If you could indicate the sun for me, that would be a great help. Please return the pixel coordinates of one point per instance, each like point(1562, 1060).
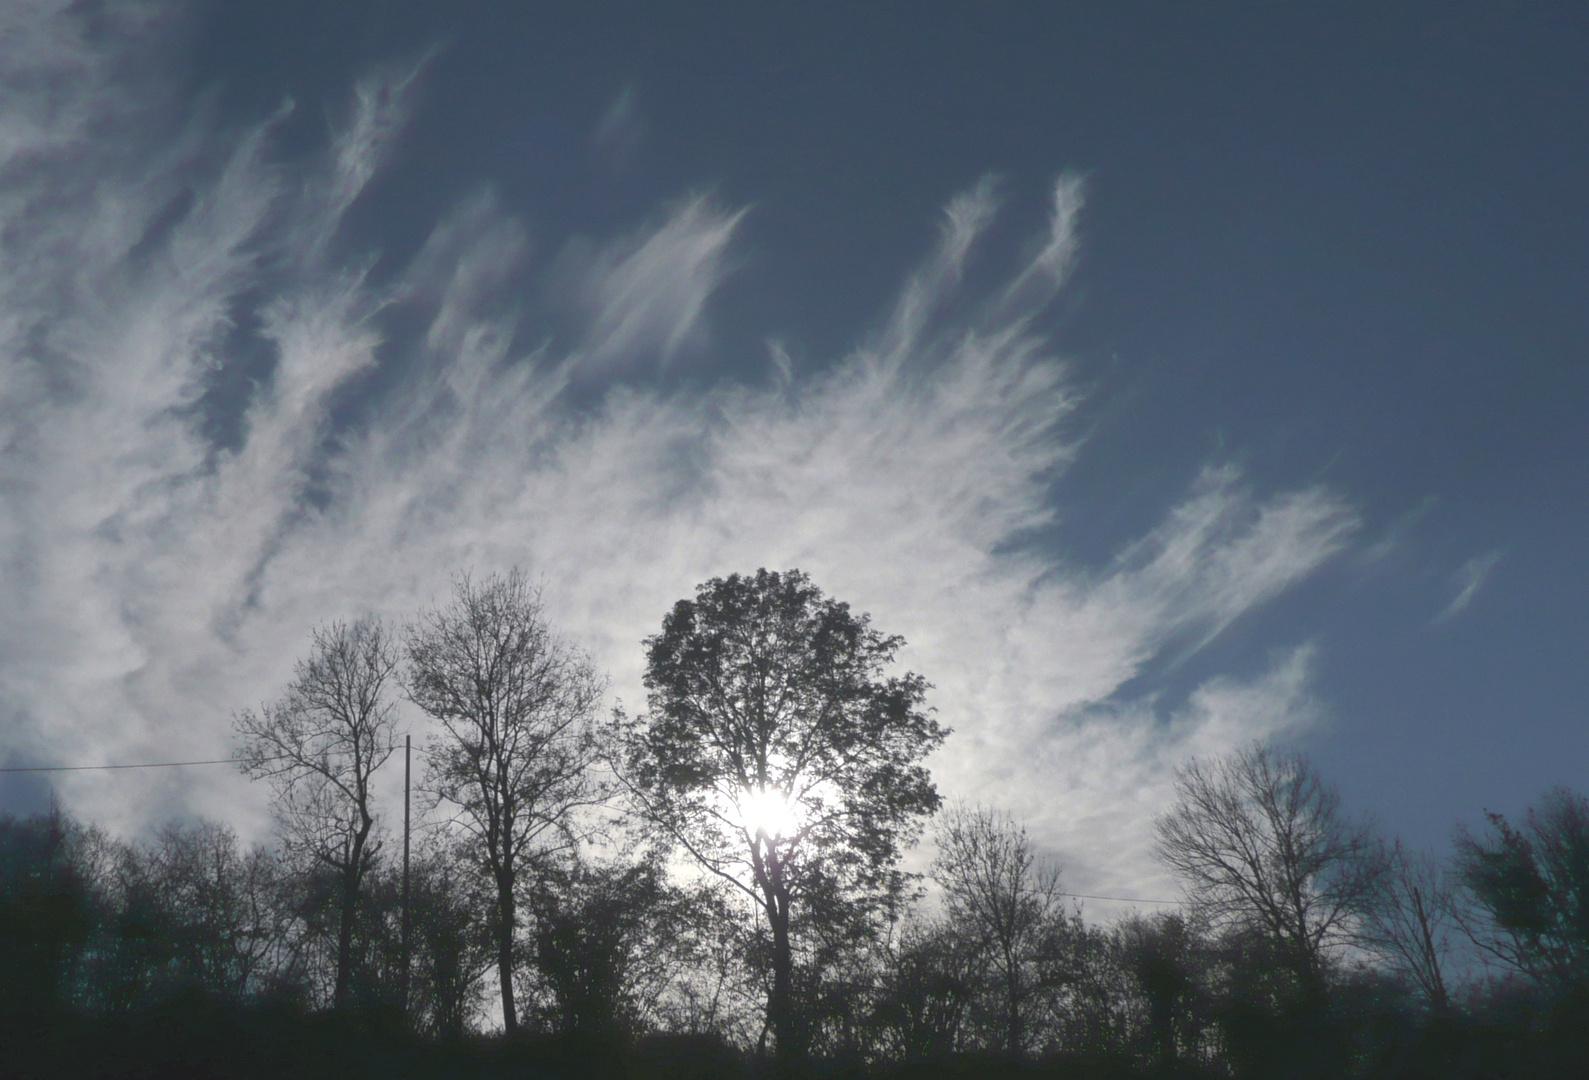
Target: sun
point(768, 812)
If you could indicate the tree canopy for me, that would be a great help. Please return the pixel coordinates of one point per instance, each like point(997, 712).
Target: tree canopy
point(1533, 884)
point(779, 752)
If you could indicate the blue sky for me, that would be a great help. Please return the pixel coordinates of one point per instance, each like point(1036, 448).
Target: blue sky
point(1169, 376)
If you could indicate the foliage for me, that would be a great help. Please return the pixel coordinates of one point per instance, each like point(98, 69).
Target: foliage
point(453, 945)
point(927, 987)
point(1533, 883)
point(44, 916)
point(765, 695)
point(1167, 956)
point(609, 942)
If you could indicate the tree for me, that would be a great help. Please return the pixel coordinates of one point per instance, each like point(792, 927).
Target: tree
point(778, 753)
point(1411, 921)
point(1533, 883)
point(1166, 956)
point(454, 947)
point(999, 892)
point(219, 905)
point(516, 751)
point(1260, 844)
point(929, 979)
point(319, 744)
point(46, 915)
point(610, 939)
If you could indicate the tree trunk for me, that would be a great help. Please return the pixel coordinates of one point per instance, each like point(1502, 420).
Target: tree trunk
point(510, 1018)
point(351, 875)
point(1014, 1035)
point(782, 1005)
point(350, 896)
point(1429, 956)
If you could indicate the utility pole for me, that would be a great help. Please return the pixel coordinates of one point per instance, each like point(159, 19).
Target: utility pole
point(408, 753)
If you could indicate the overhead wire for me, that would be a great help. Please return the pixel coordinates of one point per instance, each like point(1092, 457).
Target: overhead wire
point(137, 765)
point(1117, 899)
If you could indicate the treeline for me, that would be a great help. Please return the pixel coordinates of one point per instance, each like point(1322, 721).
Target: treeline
point(712, 888)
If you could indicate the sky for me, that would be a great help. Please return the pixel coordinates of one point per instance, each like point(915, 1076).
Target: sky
point(1169, 376)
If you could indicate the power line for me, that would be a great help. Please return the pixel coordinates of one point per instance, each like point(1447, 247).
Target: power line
point(140, 765)
point(1120, 899)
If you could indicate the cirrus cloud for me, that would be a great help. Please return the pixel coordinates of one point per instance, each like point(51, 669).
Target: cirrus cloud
point(159, 578)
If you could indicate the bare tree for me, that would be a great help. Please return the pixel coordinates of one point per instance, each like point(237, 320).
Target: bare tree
point(515, 755)
point(1412, 920)
point(1259, 842)
point(319, 744)
point(220, 904)
point(998, 890)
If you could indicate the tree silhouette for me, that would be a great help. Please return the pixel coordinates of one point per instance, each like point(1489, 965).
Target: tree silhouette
point(1259, 842)
point(46, 914)
point(1164, 955)
point(515, 756)
point(1533, 882)
point(610, 938)
point(999, 892)
point(1412, 919)
point(927, 987)
point(319, 744)
point(217, 900)
point(778, 753)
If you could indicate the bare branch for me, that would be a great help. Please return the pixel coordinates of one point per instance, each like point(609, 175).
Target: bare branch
point(517, 755)
point(319, 745)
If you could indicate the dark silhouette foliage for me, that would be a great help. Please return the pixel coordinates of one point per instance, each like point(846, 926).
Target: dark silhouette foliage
point(781, 755)
point(1533, 883)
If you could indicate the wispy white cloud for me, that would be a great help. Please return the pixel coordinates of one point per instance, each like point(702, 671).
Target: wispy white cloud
point(620, 131)
point(381, 103)
point(1394, 537)
point(156, 582)
point(1469, 580)
point(646, 294)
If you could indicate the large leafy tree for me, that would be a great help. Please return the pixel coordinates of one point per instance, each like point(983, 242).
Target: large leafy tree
point(780, 753)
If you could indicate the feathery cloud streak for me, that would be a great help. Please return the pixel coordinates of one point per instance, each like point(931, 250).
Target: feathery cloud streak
point(157, 578)
point(1470, 578)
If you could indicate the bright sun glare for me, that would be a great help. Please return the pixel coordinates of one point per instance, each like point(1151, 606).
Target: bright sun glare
point(769, 812)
